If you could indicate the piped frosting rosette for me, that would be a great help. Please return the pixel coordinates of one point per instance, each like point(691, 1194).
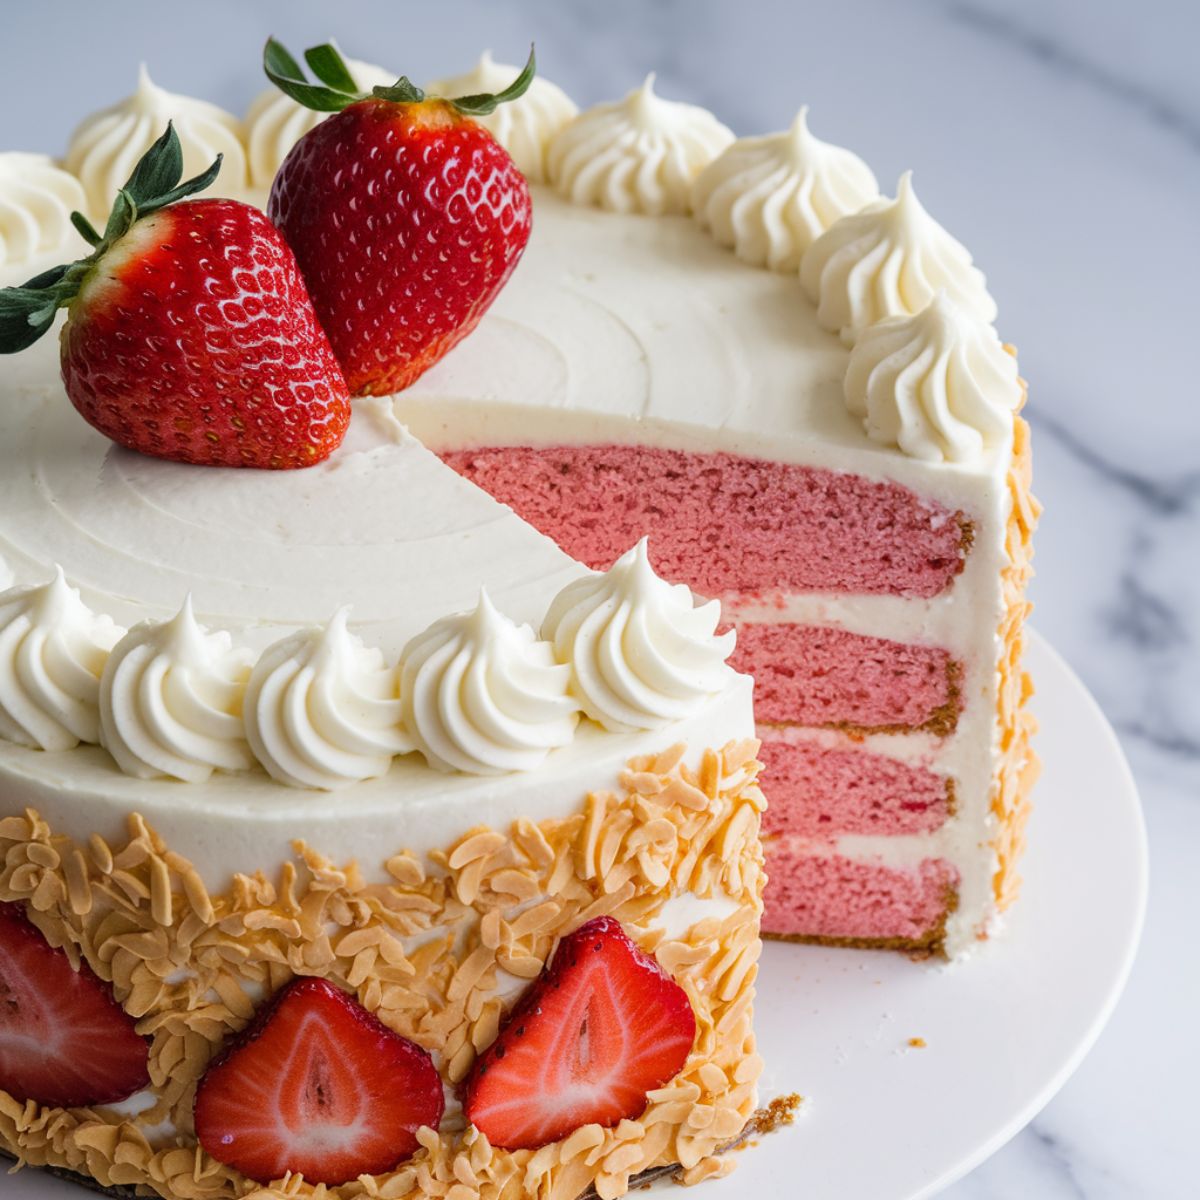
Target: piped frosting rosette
point(771, 197)
point(323, 709)
point(106, 147)
point(889, 260)
point(483, 695)
point(523, 126)
point(642, 653)
point(938, 384)
point(639, 154)
point(52, 653)
point(37, 198)
point(171, 701)
point(275, 122)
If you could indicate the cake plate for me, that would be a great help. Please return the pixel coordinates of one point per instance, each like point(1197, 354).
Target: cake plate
point(914, 1072)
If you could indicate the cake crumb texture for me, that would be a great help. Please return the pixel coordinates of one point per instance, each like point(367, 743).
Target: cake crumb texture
point(425, 952)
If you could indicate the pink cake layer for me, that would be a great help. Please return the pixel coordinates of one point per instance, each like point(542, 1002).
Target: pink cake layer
point(725, 524)
point(818, 792)
point(810, 675)
point(837, 899)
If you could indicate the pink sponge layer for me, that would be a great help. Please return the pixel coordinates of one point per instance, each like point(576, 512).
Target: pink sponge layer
point(726, 524)
point(839, 899)
point(808, 675)
point(818, 792)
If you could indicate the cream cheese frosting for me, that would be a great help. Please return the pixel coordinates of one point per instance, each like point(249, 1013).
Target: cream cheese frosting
point(938, 384)
point(37, 198)
point(642, 653)
point(323, 709)
point(523, 126)
point(52, 653)
point(639, 154)
point(889, 260)
point(771, 197)
point(481, 694)
point(105, 148)
point(275, 123)
point(171, 701)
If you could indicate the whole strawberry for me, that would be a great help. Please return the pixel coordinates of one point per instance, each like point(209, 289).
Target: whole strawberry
point(190, 334)
point(407, 217)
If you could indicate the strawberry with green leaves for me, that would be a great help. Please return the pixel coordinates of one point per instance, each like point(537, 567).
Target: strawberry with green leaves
point(406, 216)
point(189, 334)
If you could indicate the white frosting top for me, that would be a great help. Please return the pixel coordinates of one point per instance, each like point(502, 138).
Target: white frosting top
point(171, 701)
point(639, 154)
point(641, 653)
point(771, 197)
point(482, 695)
point(275, 122)
point(938, 384)
point(889, 260)
point(52, 651)
point(323, 709)
point(106, 147)
point(36, 200)
point(523, 126)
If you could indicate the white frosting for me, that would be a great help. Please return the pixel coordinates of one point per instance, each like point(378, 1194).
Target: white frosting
point(523, 126)
point(323, 710)
point(642, 654)
point(889, 260)
point(171, 701)
point(938, 384)
point(37, 198)
point(106, 147)
point(639, 154)
point(275, 123)
point(482, 695)
point(52, 651)
point(771, 197)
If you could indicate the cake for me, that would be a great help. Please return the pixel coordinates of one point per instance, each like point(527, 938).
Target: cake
point(388, 746)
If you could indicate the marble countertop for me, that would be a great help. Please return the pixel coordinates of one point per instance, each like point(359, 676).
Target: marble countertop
point(1060, 140)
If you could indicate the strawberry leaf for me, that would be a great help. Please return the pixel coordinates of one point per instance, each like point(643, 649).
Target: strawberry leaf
point(327, 64)
point(288, 76)
point(483, 103)
point(158, 170)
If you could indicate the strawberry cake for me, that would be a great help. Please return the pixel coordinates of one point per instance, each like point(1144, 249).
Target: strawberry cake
point(388, 541)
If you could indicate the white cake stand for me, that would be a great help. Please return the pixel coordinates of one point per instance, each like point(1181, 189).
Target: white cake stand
point(884, 1120)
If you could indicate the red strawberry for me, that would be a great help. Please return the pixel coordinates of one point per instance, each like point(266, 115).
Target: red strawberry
point(319, 1087)
point(604, 1025)
point(407, 217)
point(64, 1041)
point(190, 333)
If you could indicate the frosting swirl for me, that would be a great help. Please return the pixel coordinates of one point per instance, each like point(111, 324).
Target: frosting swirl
point(36, 201)
point(771, 197)
point(52, 652)
point(323, 710)
point(639, 154)
point(938, 384)
point(275, 122)
point(106, 147)
point(483, 695)
point(888, 260)
point(523, 126)
point(171, 701)
point(641, 653)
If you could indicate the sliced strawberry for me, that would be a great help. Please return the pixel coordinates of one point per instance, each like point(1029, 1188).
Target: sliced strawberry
point(604, 1025)
point(64, 1041)
point(319, 1087)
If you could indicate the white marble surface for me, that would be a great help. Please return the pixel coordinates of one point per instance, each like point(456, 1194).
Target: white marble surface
point(1060, 139)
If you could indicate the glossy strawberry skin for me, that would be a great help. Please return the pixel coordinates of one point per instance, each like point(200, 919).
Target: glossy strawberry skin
point(600, 1028)
point(64, 1041)
point(318, 1086)
point(194, 339)
point(407, 220)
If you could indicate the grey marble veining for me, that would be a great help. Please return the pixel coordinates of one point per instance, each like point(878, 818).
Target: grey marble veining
point(1060, 139)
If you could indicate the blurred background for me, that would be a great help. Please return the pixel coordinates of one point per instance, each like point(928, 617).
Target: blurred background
point(1060, 140)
